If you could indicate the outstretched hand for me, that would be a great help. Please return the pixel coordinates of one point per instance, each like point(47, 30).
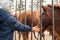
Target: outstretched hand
point(35, 29)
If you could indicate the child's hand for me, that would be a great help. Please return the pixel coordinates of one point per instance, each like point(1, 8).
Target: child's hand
point(35, 29)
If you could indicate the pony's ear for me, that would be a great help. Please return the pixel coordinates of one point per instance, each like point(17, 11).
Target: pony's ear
point(44, 9)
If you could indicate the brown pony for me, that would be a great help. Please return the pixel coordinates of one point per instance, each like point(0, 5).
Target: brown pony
point(30, 20)
point(47, 19)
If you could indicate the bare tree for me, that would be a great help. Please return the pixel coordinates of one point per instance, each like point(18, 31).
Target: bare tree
point(21, 5)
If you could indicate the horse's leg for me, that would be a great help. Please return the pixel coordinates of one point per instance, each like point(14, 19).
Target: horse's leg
point(25, 36)
point(56, 35)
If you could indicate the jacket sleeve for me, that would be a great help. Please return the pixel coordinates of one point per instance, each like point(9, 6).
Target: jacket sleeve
point(15, 25)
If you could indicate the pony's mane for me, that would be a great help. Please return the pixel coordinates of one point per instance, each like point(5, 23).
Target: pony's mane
point(57, 5)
